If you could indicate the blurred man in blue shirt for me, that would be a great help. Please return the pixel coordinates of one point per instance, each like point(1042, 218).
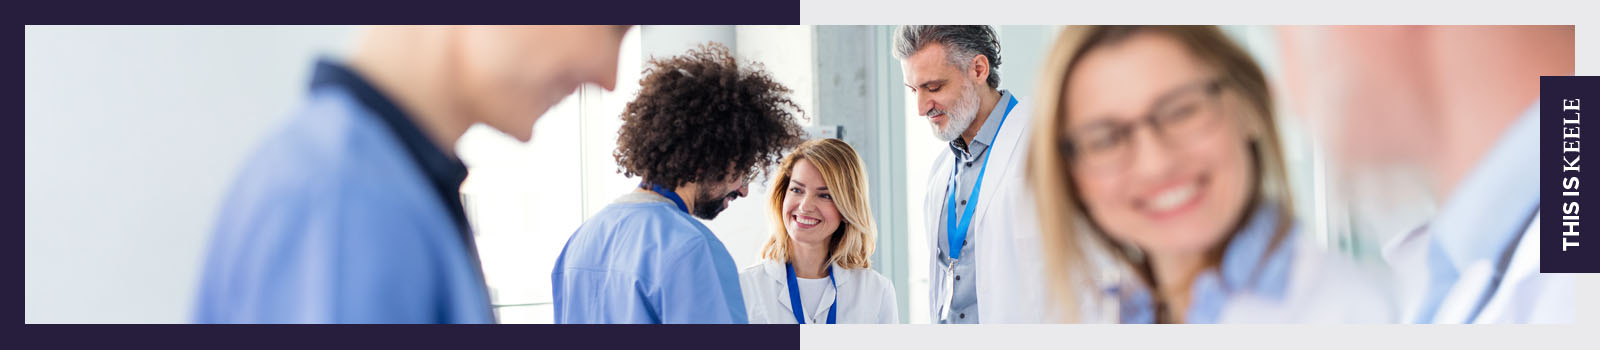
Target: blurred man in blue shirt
point(1460, 104)
point(351, 213)
point(701, 127)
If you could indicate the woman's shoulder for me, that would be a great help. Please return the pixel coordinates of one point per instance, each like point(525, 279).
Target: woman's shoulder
point(753, 273)
point(752, 269)
point(870, 278)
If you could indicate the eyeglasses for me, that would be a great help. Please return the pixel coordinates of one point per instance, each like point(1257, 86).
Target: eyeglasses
point(1179, 118)
point(750, 175)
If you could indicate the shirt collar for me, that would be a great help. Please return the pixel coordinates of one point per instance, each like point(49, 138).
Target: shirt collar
point(1250, 265)
point(445, 173)
point(1492, 205)
point(986, 134)
point(633, 197)
point(779, 273)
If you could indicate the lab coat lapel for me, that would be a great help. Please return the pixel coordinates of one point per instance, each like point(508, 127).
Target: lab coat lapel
point(936, 196)
point(829, 295)
point(1524, 265)
point(1010, 283)
point(1475, 280)
point(820, 312)
point(1003, 153)
point(779, 275)
point(1407, 256)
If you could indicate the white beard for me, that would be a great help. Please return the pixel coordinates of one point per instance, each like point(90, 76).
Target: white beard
point(960, 115)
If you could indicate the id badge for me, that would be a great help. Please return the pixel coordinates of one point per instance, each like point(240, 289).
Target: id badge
point(947, 292)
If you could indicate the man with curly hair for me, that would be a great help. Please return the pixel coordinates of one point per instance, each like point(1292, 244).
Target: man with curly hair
point(701, 127)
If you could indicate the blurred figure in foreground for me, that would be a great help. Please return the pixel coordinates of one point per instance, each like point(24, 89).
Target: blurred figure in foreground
point(1162, 192)
point(352, 212)
point(1460, 101)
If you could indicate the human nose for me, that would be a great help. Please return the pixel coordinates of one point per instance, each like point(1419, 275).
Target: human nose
point(924, 103)
point(1150, 152)
point(806, 203)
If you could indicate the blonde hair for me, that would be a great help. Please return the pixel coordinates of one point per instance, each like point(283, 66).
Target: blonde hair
point(851, 246)
point(1063, 223)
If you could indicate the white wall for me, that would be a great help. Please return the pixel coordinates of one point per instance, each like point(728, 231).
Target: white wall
point(665, 41)
point(131, 136)
point(1023, 50)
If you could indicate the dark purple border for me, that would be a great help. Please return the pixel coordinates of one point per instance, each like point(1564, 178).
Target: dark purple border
point(278, 12)
point(297, 337)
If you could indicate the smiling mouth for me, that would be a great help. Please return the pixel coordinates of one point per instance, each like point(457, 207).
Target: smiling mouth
point(1175, 200)
point(805, 222)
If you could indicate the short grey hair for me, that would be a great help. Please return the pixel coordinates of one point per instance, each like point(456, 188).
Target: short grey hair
point(962, 42)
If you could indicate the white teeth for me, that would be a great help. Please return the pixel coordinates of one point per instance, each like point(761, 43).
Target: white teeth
point(1172, 198)
point(806, 221)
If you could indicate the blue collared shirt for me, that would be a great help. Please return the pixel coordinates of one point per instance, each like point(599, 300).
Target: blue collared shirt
point(1249, 266)
point(1485, 214)
point(346, 215)
point(642, 260)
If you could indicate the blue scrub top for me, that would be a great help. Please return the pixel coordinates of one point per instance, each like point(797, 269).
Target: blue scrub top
point(642, 260)
point(345, 215)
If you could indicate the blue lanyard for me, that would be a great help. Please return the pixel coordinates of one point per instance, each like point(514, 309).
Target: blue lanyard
point(958, 232)
point(669, 194)
point(794, 297)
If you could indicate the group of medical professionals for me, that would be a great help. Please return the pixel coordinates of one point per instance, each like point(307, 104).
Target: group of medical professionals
point(1145, 183)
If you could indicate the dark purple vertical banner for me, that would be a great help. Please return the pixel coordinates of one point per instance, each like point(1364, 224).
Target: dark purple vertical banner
point(1564, 200)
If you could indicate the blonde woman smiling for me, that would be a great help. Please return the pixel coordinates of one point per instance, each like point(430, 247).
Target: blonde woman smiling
point(816, 266)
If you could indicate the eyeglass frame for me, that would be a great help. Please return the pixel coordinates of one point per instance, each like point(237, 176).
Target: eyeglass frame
point(1212, 89)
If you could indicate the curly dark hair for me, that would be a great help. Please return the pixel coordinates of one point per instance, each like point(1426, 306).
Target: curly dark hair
point(700, 117)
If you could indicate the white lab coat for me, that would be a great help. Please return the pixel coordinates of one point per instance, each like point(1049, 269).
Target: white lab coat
point(1522, 296)
point(864, 295)
point(1323, 288)
point(1498, 191)
point(1011, 274)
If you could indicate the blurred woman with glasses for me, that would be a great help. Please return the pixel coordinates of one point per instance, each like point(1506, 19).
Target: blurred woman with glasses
point(1162, 191)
